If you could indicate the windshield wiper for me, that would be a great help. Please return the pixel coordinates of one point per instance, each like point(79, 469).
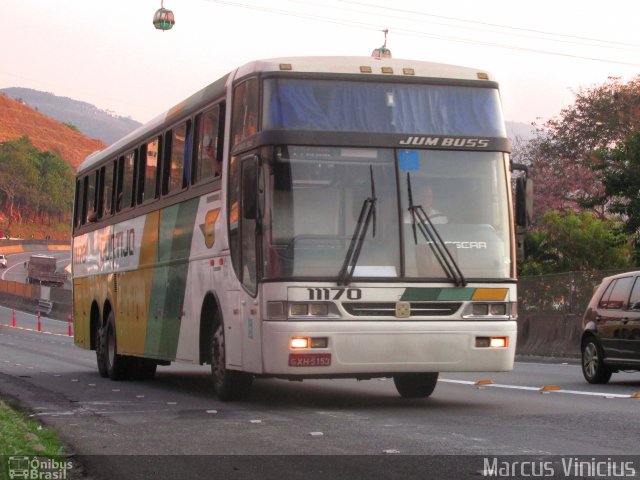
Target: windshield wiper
point(421, 220)
point(367, 215)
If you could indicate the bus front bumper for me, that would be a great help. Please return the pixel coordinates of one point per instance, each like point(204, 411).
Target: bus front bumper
point(361, 349)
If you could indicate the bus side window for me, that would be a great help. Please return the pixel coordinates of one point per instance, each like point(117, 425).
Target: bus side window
point(107, 196)
point(177, 167)
point(208, 156)
point(79, 203)
point(91, 198)
point(140, 174)
point(244, 118)
point(126, 178)
point(100, 202)
point(148, 172)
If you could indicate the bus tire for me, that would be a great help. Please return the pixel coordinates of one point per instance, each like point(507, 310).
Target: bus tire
point(228, 384)
point(415, 385)
point(101, 351)
point(116, 364)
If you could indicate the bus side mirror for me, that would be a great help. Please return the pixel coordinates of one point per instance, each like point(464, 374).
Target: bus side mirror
point(524, 202)
point(524, 198)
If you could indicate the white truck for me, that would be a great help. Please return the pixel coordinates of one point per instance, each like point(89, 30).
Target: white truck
point(42, 270)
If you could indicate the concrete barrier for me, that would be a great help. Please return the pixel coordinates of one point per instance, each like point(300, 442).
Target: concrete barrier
point(27, 297)
point(8, 247)
point(549, 335)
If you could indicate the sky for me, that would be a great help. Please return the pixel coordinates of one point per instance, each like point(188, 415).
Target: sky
point(110, 55)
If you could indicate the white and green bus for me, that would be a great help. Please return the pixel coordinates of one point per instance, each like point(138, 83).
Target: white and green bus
point(329, 217)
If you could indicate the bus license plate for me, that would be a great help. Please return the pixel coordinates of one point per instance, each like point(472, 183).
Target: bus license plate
point(309, 359)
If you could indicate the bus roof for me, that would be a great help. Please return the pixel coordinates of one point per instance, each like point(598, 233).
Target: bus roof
point(359, 65)
point(389, 67)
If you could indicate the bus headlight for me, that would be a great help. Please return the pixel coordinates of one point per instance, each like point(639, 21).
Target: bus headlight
point(308, 309)
point(502, 310)
point(282, 310)
point(298, 309)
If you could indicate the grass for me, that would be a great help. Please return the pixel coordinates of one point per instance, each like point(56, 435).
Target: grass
point(21, 436)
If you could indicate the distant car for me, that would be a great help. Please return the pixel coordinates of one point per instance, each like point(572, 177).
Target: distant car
point(3, 261)
point(611, 328)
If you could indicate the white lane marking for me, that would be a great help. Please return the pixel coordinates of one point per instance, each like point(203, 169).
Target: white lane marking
point(537, 389)
point(41, 331)
point(562, 364)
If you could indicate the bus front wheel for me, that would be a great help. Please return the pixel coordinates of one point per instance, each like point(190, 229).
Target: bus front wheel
point(228, 384)
point(415, 385)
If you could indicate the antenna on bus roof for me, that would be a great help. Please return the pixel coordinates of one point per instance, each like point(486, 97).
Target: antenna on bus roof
point(383, 51)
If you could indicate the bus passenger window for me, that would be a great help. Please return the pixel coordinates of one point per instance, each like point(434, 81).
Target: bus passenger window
point(92, 191)
point(244, 119)
point(79, 203)
point(149, 171)
point(107, 193)
point(178, 168)
point(126, 172)
point(208, 161)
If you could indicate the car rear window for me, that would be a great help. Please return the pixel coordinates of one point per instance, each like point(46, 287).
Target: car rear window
point(617, 294)
point(635, 293)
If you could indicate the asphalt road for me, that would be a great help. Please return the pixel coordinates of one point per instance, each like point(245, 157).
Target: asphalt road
point(175, 427)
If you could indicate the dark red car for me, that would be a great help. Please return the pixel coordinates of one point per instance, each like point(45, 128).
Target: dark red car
point(611, 328)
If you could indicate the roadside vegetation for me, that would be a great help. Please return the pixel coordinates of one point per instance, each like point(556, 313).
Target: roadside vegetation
point(585, 164)
point(36, 192)
point(20, 436)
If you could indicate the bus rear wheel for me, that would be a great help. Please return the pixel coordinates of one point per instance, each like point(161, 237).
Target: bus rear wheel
point(116, 364)
point(228, 384)
point(101, 351)
point(415, 385)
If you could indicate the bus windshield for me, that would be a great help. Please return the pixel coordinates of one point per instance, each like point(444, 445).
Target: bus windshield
point(315, 195)
point(348, 106)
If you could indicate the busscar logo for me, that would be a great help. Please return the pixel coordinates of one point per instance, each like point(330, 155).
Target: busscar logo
point(422, 141)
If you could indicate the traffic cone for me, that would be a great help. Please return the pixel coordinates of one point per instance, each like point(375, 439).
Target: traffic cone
point(39, 324)
point(69, 325)
point(13, 319)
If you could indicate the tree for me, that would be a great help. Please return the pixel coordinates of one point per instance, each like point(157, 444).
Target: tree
point(56, 179)
point(33, 183)
point(559, 184)
point(565, 149)
point(600, 117)
point(565, 242)
point(18, 174)
point(619, 169)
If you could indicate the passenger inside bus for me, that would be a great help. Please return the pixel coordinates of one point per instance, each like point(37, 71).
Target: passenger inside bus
point(210, 151)
point(424, 199)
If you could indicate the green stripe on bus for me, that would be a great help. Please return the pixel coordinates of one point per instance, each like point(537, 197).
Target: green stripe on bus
point(456, 294)
point(414, 294)
point(170, 280)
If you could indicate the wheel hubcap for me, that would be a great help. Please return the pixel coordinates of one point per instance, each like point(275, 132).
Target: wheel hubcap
point(590, 361)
